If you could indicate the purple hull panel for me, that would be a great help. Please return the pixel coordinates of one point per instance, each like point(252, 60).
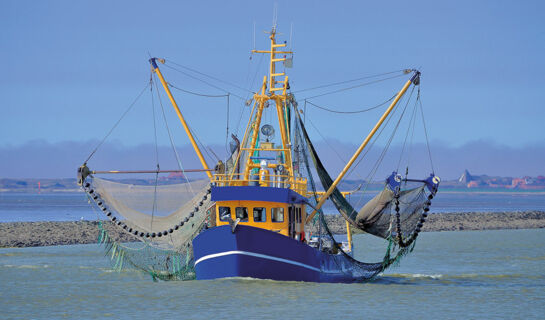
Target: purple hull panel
point(263, 254)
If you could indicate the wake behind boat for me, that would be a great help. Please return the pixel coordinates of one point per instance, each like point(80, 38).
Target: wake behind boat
point(250, 216)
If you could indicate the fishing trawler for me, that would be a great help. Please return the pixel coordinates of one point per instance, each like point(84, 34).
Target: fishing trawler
point(250, 218)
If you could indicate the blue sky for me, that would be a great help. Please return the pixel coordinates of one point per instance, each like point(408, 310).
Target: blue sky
point(72, 67)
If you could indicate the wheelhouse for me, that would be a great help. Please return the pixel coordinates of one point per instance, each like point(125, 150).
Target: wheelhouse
point(276, 209)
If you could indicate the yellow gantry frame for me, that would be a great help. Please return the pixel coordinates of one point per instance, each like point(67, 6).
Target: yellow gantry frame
point(155, 69)
point(362, 146)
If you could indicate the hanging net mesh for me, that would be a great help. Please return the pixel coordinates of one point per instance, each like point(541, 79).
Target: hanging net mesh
point(396, 216)
point(165, 218)
point(379, 215)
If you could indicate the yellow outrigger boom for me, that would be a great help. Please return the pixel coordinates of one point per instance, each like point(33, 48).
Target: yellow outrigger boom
point(414, 79)
point(155, 69)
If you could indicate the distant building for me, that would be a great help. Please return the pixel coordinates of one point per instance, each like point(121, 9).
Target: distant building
point(466, 177)
point(173, 176)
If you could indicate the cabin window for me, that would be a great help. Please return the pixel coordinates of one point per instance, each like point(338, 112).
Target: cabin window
point(242, 213)
point(225, 213)
point(298, 215)
point(260, 215)
point(277, 214)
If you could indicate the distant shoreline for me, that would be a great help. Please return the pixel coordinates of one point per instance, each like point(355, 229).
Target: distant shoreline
point(448, 191)
point(503, 192)
point(34, 234)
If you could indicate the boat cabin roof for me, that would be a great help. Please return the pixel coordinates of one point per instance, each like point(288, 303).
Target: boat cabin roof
point(257, 193)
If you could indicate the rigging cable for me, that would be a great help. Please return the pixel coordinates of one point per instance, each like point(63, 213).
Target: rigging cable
point(154, 207)
point(196, 93)
point(375, 167)
point(117, 123)
point(180, 166)
point(411, 142)
point(353, 80)
point(227, 126)
point(203, 81)
point(351, 112)
point(373, 141)
point(425, 131)
point(200, 143)
point(248, 102)
point(334, 150)
point(209, 76)
point(411, 125)
point(210, 96)
point(369, 177)
point(385, 150)
point(356, 86)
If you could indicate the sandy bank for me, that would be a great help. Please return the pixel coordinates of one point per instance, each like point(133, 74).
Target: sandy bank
point(32, 234)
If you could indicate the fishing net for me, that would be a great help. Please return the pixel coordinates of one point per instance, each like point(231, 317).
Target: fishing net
point(379, 215)
point(394, 215)
point(165, 218)
point(391, 207)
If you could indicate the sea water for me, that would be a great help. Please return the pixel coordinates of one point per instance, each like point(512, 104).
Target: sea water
point(75, 206)
point(450, 275)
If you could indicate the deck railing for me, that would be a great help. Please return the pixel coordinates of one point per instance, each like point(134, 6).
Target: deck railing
point(297, 184)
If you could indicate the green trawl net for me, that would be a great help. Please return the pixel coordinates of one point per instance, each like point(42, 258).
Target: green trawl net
point(405, 211)
point(165, 218)
point(391, 211)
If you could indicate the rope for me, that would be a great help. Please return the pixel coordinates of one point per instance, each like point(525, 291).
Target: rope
point(227, 126)
point(353, 87)
point(329, 145)
point(248, 95)
point(154, 207)
point(117, 123)
point(334, 150)
point(352, 112)
point(425, 131)
point(197, 94)
point(375, 167)
point(209, 76)
point(200, 143)
point(203, 81)
point(411, 142)
point(348, 81)
point(180, 166)
point(411, 125)
point(385, 150)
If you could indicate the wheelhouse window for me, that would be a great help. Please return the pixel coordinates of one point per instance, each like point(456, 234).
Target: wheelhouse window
point(242, 213)
point(277, 214)
point(260, 215)
point(224, 213)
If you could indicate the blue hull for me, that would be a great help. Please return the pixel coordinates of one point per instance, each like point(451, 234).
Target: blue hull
point(263, 254)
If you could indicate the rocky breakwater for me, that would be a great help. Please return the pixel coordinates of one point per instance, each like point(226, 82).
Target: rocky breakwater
point(32, 234)
point(457, 221)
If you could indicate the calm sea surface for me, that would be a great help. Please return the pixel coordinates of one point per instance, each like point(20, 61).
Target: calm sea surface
point(74, 206)
point(450, 275)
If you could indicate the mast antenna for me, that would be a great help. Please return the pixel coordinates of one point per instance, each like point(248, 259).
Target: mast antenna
point(254, 35)
point(275, 16)
point(291, 34)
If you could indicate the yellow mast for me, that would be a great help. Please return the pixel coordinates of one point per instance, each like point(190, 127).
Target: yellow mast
point(414, 79)
point(155, 69)
point(269, 91)
point(349, 235)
